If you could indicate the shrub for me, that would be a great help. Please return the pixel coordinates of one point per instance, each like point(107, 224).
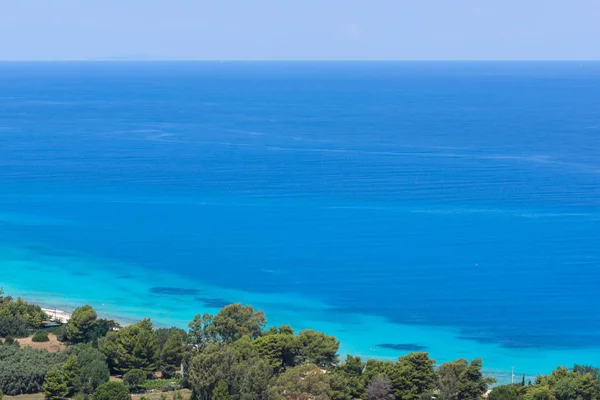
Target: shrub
point(112, 391)
point(23, 370)
point(40, 336)
point(12, 326)
point(134, 379)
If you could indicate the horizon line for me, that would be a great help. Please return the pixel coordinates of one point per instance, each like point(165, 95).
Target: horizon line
point(125, 60)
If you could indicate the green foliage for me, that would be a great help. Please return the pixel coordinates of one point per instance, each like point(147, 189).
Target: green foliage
point(132, 347)
point(13, 326)
point(112, 391)
point(348, 380)
point(504, 392)
point(134, 379)
point(472, 384)
point(40, 336)
point(71, 372)
point(221, 391)
point(463, 380)
point(22, 371)
point(81, 324)
point(234, 321)
point(251, 379)
point(199, 333)
point(172, 351)
point(587, 369)
point(301, 383)
point(93, 374)
point(278, 349)
point(414, 375)
point(317, 348)
point(538, 392)
point(93, 367)
point(215, 363)
point(581, 383)
point(55, 385)
point(17, 317)
point(10, 341)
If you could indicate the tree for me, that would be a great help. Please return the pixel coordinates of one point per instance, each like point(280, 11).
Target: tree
point(132, 347)
point(348, 379)
point(317, 348)
point(71, 372)
point(587, 369)
point(81, 324)
point(566, 388)
point(55, 385)
point(112, 391)
point(380, 388)
point(414, 375)
point(172, 351)
point(93, 368)
point(278, 349)
point(221, 391)
point(504, 392)
point(93, 374)
point(463, 380)
point(538, 392)
point(234, 321)
point(23, 370)
point(134, 378)
point(588, 385)
point(199, 334)
point(251, 379)
point(449, 375)
point(216, 362)
point(301, 383)
point(472, 384)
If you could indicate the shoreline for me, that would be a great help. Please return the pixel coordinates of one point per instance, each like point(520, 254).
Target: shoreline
point(130, 298)
point(503, 376)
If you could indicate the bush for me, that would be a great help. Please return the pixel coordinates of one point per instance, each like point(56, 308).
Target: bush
point(22, 371)
point(112, 391)
point(12, 326)
point(40, 336)
point(94, 370)
point(134, 379)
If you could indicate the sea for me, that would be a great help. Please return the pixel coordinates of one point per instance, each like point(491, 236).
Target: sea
point(447, 207)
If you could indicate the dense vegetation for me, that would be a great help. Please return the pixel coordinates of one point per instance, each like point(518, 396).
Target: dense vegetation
point(22, 370)
point(582, 382)
point(18, 318)
point(231, 356)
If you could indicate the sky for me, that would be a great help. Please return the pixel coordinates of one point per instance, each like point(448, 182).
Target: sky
point(300, 29)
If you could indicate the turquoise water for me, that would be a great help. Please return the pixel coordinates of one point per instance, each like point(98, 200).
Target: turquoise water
point(451, 207)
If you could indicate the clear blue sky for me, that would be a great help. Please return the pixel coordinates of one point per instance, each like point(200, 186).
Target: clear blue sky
point(299, 29)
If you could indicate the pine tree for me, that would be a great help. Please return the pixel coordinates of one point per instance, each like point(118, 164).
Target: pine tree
point(221, 391)
point(55, 384)
point(71, 372)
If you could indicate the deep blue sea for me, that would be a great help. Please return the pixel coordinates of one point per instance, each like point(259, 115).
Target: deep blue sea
point(451, 207)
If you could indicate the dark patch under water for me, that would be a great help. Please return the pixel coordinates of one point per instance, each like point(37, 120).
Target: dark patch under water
point(213, 302)
point(403, 346)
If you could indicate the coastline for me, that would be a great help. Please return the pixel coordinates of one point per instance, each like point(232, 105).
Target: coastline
point(56, 281)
